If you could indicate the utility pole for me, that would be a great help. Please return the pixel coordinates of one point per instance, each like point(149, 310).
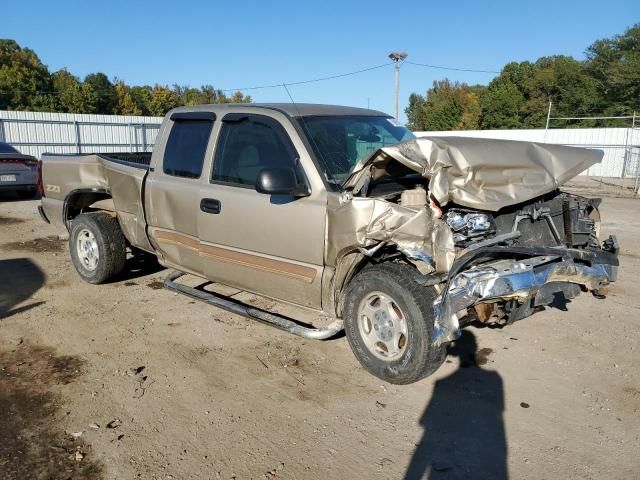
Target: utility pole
point(548, 115)
point(397, 57)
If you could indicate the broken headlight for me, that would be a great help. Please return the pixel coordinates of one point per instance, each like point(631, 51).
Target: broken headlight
point(469, 225)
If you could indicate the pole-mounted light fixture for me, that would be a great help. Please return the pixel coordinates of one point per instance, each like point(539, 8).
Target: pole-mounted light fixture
point(397, 57)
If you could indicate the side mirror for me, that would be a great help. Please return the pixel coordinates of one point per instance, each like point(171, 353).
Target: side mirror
point(280, 181)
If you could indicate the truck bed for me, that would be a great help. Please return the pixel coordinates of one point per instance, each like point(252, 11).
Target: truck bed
point(119, 176)
point(135, 159)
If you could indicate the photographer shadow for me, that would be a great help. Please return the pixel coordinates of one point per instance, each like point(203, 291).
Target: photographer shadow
point(463, 424)
point(20, 278)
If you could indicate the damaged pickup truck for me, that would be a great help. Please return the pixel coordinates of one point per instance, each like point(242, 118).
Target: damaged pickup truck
point(402, 241)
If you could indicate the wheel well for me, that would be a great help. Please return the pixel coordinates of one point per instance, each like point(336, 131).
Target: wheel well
point(80, 201)
point(352, 263)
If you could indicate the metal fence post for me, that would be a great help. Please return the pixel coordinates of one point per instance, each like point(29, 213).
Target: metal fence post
point(144, 137)
point(2, 138)
point(636, 187)
point(77, 129)
point(130, 137)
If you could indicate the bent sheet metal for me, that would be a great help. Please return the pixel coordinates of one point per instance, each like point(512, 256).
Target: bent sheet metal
point(486, 174)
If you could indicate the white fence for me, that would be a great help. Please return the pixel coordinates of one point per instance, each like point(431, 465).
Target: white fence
point(621, 146)
point(35, 133)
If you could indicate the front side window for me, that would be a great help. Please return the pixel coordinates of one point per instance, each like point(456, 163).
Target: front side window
point(186, 146)
point(248, 144)
point(341, 141)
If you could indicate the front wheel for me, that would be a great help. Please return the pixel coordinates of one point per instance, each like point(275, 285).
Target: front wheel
point(389, 320)
point(97, 246)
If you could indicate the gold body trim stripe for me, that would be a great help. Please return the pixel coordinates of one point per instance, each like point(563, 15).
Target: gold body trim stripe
point(277, 267)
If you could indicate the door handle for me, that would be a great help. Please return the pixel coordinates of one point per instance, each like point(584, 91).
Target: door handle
point(210, 205)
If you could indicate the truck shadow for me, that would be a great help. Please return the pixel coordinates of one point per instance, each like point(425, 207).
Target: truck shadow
point(138, 264)
point(463, 424)
point(20, 278)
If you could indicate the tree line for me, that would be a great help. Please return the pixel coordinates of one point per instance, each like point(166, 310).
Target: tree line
point(27, 84)
point(605, 83)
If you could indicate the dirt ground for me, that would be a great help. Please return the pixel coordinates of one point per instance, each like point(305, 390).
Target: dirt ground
point(128, 380)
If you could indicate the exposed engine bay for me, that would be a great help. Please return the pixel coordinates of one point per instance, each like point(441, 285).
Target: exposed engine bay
point(500, 239)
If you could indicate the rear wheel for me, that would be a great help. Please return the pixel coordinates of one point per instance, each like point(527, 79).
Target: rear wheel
point(389, 324)
point(97, 247)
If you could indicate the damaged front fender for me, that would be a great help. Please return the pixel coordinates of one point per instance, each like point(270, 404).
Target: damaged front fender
point(366, 223)
point(360, 227)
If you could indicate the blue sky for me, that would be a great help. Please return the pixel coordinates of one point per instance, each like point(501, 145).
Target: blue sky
point(247, 43)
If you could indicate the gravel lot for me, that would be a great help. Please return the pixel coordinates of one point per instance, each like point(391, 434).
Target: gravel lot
point(128, 380)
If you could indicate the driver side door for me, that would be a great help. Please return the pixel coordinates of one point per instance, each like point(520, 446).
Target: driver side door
point(267, 244)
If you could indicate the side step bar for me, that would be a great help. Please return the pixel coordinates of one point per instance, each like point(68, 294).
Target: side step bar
point(275, 320)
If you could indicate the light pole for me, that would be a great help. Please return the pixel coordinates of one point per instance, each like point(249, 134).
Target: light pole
point(397, 57)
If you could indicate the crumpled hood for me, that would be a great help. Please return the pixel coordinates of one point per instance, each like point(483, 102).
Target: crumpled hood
point(484, 174)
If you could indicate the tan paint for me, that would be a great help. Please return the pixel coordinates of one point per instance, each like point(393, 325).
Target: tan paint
point(173, 238)
point(96, 172)
point(305, 250)
point(287, 269)
point(481, 173)
point(291, 232)
point(360, 223)
point(264, 264)
point(106, 204)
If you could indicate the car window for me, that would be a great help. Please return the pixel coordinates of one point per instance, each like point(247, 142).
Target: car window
point(248, 145)
point(341, 141)
point(186, 146)
point(6, 148)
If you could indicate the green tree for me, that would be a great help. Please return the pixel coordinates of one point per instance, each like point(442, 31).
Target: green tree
point(207, 94)
point(238, 97)
point(25, 82)
point(142, 98)
point(104, 90)
point(564, 81)
point(72, 95)
point(504, 98)
point(501, 107)
point(162, 100)
point(614, 63)
point(124, 101)
point(447, 106)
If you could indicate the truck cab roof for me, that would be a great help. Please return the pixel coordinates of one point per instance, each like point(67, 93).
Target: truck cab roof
point(289, 109)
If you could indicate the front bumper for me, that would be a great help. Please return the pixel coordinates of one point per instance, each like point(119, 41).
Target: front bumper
point(530, 282)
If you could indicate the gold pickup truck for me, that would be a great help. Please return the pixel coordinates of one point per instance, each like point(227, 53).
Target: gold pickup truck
point(402, 240)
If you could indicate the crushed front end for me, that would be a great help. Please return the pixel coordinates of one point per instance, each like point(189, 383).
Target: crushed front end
point(502, 240)
point(515, 261)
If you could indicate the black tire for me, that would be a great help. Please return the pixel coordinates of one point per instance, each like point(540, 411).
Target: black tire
point(420, 358)
point(110, 242)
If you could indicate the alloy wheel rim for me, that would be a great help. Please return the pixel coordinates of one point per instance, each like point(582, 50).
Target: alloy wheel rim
point(87, 249)
point(383, 326)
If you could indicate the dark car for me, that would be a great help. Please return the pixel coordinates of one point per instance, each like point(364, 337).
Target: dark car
point(18, 172)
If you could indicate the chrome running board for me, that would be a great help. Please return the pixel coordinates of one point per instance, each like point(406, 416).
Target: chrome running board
point(273, 319)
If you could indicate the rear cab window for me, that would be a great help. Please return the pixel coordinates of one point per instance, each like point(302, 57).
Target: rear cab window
point(249, 143)
point(186, 146)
